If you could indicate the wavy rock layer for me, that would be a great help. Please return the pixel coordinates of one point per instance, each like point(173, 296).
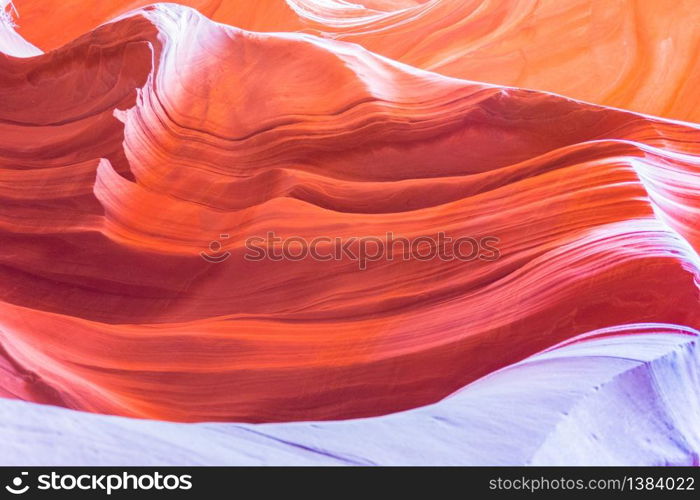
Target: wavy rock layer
point(637, 55)
point(624, 396)
point(152, 135)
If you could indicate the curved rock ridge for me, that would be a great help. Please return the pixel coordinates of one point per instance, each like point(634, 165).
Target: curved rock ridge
point(627, 395)
point(152, 136)
point(636, 55)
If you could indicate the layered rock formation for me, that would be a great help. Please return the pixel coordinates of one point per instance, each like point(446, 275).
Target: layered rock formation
point(622, 396)
point(637, 55)
point(130, 147)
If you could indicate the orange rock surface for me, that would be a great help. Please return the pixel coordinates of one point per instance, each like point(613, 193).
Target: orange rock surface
point(128, 150)
point(639, 55)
